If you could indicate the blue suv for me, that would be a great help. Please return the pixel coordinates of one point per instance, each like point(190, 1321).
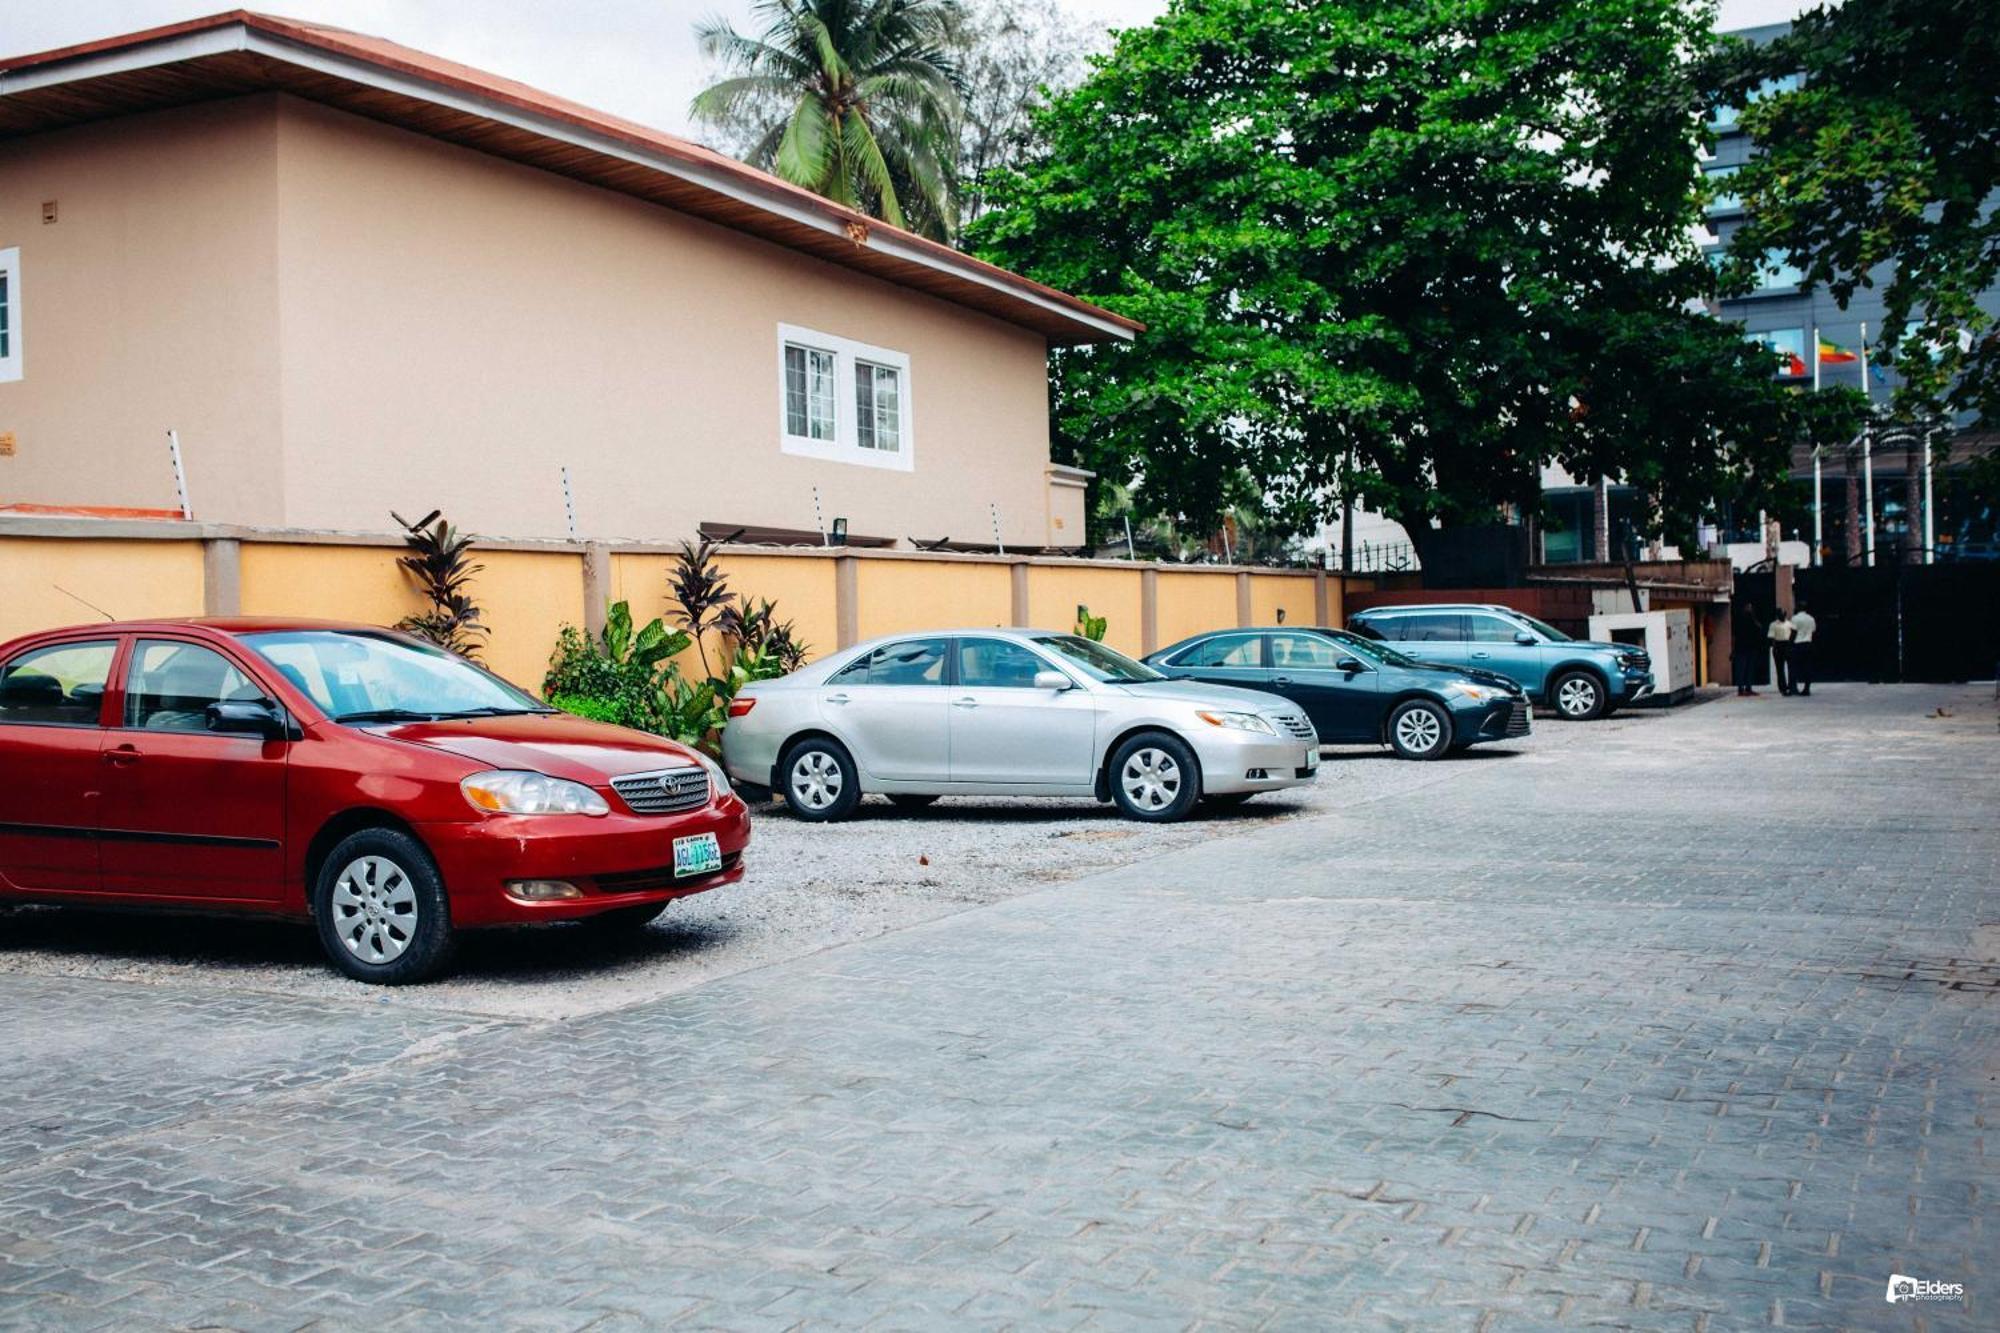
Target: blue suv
point(1574, 678)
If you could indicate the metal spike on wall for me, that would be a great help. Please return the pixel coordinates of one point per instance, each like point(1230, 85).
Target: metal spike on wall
point(569, 505)
point(180, 474)
point(998, 545)
point(819, 516)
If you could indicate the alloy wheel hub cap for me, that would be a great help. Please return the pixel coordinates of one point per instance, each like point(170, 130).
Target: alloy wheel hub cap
point(375, 909)
point(1151, 779)
point(1418, 730)
point(816, 780)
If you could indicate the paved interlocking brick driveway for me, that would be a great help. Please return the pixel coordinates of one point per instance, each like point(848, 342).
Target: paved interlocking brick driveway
point(1693, 1028)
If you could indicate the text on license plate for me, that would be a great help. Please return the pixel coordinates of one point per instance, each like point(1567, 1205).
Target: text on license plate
point(1312, 760)
point(699, 854)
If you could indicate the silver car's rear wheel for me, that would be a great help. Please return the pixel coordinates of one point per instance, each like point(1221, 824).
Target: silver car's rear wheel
point(1155, 777)
point(820, 780)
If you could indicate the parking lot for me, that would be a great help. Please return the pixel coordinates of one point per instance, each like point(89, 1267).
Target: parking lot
point(1680, 1020)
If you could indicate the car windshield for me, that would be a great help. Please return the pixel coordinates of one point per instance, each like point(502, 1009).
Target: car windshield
point(1547, 631)
point(1097, 661)
point(1368, 650)
point(356, 676)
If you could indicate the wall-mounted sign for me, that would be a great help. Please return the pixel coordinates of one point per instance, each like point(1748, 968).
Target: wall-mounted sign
point(6, 444)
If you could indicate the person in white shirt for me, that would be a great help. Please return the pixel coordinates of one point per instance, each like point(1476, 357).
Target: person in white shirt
point(1803, 629)
point(1780, 635)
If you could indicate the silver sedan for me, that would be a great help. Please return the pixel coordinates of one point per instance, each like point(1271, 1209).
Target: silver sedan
point(1006, 712)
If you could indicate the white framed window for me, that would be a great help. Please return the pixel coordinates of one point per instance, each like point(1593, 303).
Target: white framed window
point(10, 313)
point(843, 401)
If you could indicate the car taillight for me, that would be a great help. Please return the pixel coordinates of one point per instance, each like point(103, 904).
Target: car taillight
point(738, 707)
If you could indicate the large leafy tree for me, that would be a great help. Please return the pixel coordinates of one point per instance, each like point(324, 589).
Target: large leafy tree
point(1886, 152)
point(1404, 250)
point(856, 100)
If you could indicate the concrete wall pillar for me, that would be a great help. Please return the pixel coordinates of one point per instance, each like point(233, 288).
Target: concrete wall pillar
point(221, 577)
point(1018, 589)
point(1242, 599)
point(1149, 610)
point(846, 601)
point(1323, 612)
point(596, 586)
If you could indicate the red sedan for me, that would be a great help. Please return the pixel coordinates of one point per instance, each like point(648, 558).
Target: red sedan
point(390, 791)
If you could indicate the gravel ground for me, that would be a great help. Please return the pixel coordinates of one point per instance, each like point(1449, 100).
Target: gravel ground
point(809, 887)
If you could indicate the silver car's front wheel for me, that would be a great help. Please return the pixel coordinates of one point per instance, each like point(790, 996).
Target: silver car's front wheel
point(820, 780)
point(1155, 777)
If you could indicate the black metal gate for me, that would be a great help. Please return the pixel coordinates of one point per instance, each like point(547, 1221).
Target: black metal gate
point(1931, 623)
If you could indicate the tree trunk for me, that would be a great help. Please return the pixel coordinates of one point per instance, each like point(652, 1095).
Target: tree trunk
point(1913, 504)
point(1851, 477)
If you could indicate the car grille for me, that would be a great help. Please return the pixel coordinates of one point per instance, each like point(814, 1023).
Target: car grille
point(1517, 721)
point(1637, 661)
point(665, 792)
point(1298, 726)
point(660, 877)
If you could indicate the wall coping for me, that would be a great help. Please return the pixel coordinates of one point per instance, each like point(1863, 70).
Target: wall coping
point(119, 529)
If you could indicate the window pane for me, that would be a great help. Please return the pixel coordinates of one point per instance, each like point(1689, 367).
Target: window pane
point(1227, 650)
point(912, 662)
point(63, 684)
point(171, 685)
point(997, 664)
point(795, 390)
point(808, 392)
point(1305, 651)
point(864, 404)
point(1491, 629)
point(1438, 628)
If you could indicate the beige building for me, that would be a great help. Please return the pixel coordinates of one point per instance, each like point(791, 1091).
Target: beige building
point(352, 278)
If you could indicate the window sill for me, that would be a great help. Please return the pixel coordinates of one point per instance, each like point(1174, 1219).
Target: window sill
point(833, 451)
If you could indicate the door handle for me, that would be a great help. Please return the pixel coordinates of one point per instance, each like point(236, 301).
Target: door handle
point(1281, 680)
point(965, 703)
point(836, 698)
point(1482, 654)
point(124, 754)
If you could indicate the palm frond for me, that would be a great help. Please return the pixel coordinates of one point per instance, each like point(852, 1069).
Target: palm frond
point(804, 151)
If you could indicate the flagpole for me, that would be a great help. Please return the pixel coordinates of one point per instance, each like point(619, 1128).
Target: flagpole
point(1930, 509)
point(1819, 525)
point(1868, 452)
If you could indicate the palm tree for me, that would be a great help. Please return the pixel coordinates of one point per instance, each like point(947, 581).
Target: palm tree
point(856, 100)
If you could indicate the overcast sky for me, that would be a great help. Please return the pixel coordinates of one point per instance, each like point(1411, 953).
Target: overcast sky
point(635, 58)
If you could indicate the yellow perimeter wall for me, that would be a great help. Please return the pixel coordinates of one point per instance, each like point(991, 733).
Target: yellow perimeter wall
point(128, 579)
point(527, 595)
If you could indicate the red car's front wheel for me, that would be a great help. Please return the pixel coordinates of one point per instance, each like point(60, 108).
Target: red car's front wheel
point(381, 910)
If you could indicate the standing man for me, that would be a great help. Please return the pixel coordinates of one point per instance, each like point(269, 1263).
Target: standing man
point(1780, 635)
point(1746, 636)
point(1803, 629)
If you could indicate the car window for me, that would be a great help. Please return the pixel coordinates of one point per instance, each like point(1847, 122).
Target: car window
point(1225, 650)
point(61, 685)
point(355, 675)
point(997, 663)
point(170, 685)
point(1430, 627)
point(1308, 651)
point(911, 662)
point(1490, 629)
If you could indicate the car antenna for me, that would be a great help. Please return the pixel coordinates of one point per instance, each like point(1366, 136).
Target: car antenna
point(92, 605)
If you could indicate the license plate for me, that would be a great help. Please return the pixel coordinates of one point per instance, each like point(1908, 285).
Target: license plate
point(697, 855)
point(1312, 760)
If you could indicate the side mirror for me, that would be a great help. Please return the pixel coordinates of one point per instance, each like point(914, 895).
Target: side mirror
point(248, 717)
point(1350, 665)
point(1525, 639)
point(1052, 680)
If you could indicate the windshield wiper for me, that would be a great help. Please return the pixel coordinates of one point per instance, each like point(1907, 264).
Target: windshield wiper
point(496, 710)
point(387, 715)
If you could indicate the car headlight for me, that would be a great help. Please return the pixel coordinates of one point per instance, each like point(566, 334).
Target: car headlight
point(507, 792)
point(1466, 689)
point(718, 779)
point(1237, 722)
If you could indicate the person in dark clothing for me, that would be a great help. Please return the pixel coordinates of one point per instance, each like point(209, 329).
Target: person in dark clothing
point(1747, 644)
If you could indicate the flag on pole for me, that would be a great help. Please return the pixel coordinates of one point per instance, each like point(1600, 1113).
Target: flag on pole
point(1832, 353)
